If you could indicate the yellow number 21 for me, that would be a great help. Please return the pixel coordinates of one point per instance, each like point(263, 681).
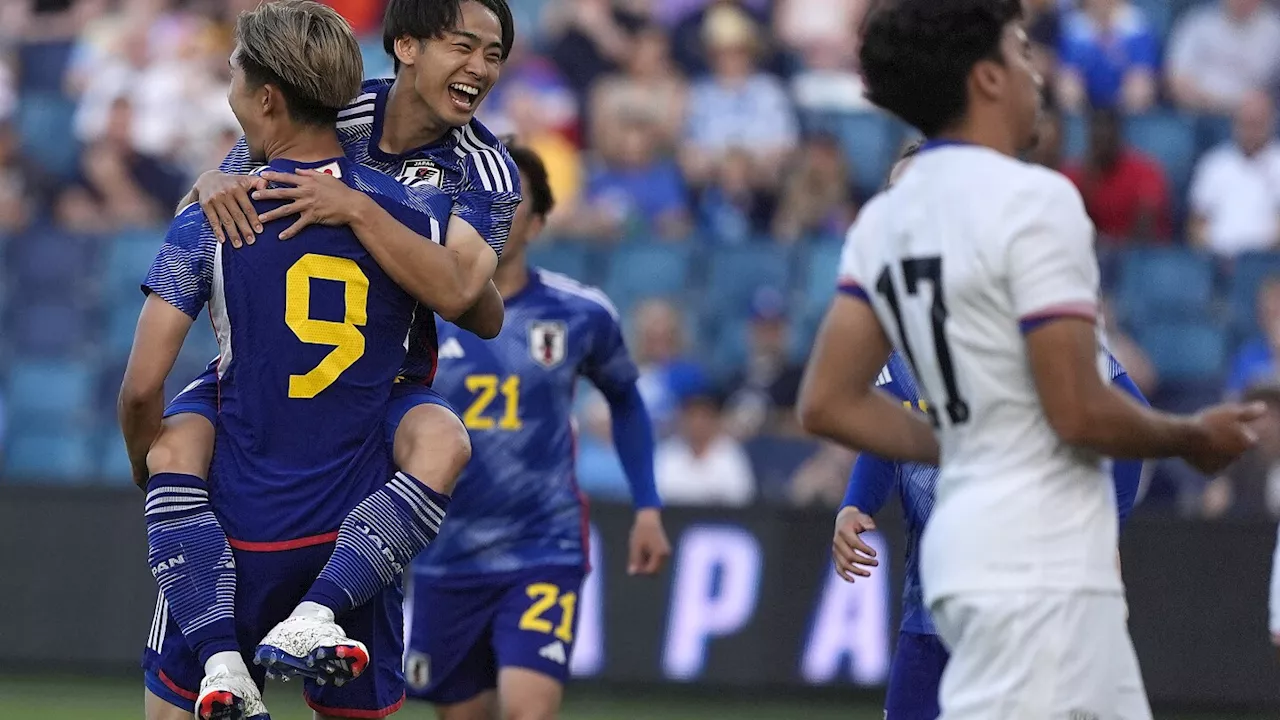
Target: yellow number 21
point(486, 387)
point(544, 595)
point(345, 336)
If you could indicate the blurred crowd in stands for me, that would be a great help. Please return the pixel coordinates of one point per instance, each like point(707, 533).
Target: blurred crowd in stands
point(707, 156)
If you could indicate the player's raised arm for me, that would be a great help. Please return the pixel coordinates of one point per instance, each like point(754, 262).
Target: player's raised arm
point(449, 279)
point(177, 287)
point(1053, 278)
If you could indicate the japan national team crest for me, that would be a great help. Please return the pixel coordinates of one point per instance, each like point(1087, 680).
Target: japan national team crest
point(420, 170)
point(547, 341)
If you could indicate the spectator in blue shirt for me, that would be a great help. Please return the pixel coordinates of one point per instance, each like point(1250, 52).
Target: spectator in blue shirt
point(1255, 361)
point(1109, 55)
point(633, 192)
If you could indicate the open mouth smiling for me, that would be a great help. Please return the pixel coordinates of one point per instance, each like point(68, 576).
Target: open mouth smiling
point(464, 96)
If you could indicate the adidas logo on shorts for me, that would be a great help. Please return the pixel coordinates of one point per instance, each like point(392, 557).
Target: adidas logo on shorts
point(554, 652)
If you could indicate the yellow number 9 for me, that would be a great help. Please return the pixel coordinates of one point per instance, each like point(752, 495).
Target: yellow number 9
point(345, 336)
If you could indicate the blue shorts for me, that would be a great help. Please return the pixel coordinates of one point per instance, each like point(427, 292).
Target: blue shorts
point(914, 677)
point(461, 632)
point(268, 587)
point(201, 397)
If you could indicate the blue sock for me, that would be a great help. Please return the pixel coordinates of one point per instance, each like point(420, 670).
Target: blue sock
point(377, 540)
point(192, 562)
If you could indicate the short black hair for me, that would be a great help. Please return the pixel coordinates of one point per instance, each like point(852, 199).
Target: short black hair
point(916, 55)
point(431, 19)
point(537, 191)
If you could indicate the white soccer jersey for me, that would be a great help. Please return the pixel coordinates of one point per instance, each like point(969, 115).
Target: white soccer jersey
point(967, 251)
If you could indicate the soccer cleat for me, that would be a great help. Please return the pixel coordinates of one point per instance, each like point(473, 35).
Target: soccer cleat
point(312, 648)
point(226, 695)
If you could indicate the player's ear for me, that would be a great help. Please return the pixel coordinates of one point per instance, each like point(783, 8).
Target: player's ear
point(407, 49)
point(987, 79)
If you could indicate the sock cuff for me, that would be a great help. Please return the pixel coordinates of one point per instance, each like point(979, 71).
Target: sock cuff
point(420, 497)
point(212, 639)
point(175, 493)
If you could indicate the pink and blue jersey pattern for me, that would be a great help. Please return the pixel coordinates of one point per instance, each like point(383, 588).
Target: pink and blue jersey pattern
point(517, 505)
point(468, 163)
point(311, 335)
point(874, 478)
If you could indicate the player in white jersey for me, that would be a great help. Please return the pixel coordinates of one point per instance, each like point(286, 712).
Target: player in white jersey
point(980, 270)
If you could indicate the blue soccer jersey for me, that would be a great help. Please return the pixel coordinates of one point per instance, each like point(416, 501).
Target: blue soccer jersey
point(874, 478)
point(311, 334)
point(517, 504)
point(468, 163)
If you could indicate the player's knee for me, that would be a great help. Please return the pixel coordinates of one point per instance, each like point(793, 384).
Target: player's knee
point(433, 446)
point(185, 445)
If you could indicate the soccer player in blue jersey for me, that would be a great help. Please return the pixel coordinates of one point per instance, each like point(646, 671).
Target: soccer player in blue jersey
point(311, 336)
point(492, 611)
point(418, 128)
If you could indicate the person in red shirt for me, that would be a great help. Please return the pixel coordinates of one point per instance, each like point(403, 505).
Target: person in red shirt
point(1125, 192)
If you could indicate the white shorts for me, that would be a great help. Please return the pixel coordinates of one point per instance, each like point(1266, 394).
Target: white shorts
point(1040, 655)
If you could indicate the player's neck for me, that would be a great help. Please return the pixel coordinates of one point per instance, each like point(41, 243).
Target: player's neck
point(407, 122)
point(975, 131)
point(511, 277)
point(306, 145)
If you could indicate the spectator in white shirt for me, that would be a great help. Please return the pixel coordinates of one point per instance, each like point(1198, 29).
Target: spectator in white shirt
point(702, 464)
point(1235, 194)
point(737, 106)
point(1220, 52)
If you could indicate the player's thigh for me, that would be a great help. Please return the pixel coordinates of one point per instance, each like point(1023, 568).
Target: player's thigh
point(535, 630)
point(481, 707)
point(918, 663)
point(525, 694)
point(427, 437)
point(1029, 654)
point(157, 709)
point(184, 445)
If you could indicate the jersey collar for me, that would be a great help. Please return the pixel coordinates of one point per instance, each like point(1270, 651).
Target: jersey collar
point(287, 166)
point(375, 135)
point(943, 142)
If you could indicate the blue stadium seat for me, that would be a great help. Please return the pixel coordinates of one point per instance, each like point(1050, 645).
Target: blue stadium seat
point(1171, 139)
point(49, 330)
point(871, 141)
point(128, 259)
point(638, 272)
point(1185, 352)
point(49, 263)
point(1251, 270)
point(45, 130)
point(113, 461)
point(58, 455)
point(1075, 137)
point(734, 275)
point(48, 389)
point(122, 319)
point(775, 460)
point(569, 258)
point(818, 286)
point(729, 351)
point(1159, 16)
point(1165, 284)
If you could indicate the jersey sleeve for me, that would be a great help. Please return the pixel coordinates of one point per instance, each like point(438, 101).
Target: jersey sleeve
point(237, 161)
point(608, 364)
point(870, 483)
point(850, 278)
point(423, 209)
point(1050, 264)
point(182, 273)
point(489, 193)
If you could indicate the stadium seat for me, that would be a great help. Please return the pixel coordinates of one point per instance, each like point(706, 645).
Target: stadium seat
point(1159, 15)
point(1075, 137)
point(113, 461)
point(49, 330)
point(59, 455)
point(1171, 139)
point(638, 272)
point(48, 389)
point(729, 349)
point(49, 263)
point(1185, 352)
point(45, 131)
point(569, 258)
point(1251, 270)
point(128, 259)
point(121, 321)
point(871, 141)
point(1165, 284)
point(774, 460)
point(735, 273)
point(1211, 131)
